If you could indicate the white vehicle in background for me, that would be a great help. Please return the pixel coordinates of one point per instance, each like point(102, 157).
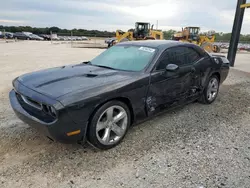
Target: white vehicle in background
point(85, 38)
point(54, 37)
point(27, 33)
point(62, 38)
point(78, 38)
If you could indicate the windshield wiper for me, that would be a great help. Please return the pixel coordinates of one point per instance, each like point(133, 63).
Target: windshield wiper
point(103, 66)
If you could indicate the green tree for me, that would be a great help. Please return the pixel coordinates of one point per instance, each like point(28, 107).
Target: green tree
point(168, 34)
point(223, 37)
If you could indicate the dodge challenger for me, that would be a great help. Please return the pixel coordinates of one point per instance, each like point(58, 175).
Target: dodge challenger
point(98, 100)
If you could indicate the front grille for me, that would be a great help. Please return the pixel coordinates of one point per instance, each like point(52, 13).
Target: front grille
point(34, 108)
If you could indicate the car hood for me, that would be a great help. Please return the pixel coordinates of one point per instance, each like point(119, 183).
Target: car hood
point(59, 81)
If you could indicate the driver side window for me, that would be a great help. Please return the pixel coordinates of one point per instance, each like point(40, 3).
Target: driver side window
point(174, 55)
point(180, 56)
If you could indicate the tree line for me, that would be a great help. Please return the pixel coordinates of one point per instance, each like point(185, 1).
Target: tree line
point(224, 37)
point(59, 31)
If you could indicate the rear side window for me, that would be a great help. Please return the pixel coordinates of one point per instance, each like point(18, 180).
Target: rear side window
point(180, 56)
point(193, 56)
point(204, 53)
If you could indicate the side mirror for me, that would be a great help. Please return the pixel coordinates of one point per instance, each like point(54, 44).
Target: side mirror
point(172, 67)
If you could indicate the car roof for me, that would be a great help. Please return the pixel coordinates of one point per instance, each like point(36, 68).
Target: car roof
point(160, 44)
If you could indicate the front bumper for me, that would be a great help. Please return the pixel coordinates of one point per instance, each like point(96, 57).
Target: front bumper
point(56, 130)
point(224, 72)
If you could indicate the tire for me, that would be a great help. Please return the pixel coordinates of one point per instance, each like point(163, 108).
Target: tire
point(109, 126)
point(216, 49)
point(213, 89)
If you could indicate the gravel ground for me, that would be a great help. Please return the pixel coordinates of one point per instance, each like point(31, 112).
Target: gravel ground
point(198, 146)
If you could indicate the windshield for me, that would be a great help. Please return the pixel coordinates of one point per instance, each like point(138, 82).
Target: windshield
point(128, 58)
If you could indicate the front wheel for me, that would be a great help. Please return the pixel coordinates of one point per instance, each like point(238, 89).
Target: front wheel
point(211, 90)
point(109, 125)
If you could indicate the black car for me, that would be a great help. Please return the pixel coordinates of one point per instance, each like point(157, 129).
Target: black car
point(45, 37)
point(97, 101)
point(21, 36)
point(110, 41)
point(6, 35)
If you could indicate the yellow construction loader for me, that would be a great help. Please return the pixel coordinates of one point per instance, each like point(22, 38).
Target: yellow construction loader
point(142, 31)
point(192, 35)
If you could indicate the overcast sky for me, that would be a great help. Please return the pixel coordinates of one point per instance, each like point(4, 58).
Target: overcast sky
point(110, 15)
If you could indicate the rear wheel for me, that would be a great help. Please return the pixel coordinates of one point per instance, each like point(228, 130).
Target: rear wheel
point(216, 49)
point(109, 125)
point(211, 91)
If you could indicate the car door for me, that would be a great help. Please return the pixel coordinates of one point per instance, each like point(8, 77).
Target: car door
point(200, 65)
point(203, 67)
point(170, 88)
point(20, 36)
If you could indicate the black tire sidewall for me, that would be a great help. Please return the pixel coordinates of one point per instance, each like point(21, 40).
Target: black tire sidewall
point(91, 133)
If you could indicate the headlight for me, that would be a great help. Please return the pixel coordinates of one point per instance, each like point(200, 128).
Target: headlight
point(52, 111)
point(49, 110)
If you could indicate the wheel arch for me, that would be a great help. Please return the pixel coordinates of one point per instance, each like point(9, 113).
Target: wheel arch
point(202, 99)
point(125, 100)
point(216, 74)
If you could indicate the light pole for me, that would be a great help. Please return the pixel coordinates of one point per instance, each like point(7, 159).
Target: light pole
point(239, 14)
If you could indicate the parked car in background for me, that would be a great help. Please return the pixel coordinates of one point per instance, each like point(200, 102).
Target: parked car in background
point(7, 35)
point(99, 100)
point(45, 37)
point(35, 37)
point(27, 33)
point(78, 38)
point(61, 38)
point(21, 36)
point(109, 40)
point(55, 37)
point(85, 38)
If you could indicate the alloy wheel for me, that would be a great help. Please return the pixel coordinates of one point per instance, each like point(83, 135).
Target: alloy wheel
point(112, 125)
point(212, 89)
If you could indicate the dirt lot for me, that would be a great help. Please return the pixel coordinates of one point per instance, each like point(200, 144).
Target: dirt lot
point(198, 146)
